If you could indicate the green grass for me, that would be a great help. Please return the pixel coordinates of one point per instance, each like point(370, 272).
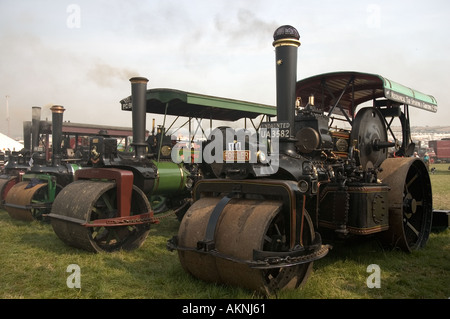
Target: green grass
point(33, 263)
point(440, 182)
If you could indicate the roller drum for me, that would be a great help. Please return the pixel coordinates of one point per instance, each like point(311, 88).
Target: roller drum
point(84, 201)
point(20, 199)
point(244, 225)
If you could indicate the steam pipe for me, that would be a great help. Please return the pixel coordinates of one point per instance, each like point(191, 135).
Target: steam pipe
point(139, 101)
point(35, 122)
point(57, 122)
point(286, 43)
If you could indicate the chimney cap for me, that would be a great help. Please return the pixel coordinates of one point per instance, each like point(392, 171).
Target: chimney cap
point(138, 79)
point(57, 109)
point(286, 32)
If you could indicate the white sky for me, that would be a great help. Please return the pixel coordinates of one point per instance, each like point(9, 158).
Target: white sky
point(81, 54)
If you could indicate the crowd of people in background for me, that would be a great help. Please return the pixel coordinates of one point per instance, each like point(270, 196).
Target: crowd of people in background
point(426, 159)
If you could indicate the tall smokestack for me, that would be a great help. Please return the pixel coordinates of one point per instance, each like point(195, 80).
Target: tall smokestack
point(139, 102)
point(35, 122)
point(286, 43)
point(57, 121)
point(27, 135)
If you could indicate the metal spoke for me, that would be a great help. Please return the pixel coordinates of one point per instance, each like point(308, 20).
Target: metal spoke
point(412, 228)
point(411, 181)
point(267, 238)
point(107, 202)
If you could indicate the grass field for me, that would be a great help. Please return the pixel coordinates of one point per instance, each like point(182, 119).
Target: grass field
point(34, 264)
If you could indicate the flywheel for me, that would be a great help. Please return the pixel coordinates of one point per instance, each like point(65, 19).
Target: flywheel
point(369, 131)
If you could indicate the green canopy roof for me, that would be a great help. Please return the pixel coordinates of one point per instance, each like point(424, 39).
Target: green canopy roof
point(357, 88)
point(181, 103)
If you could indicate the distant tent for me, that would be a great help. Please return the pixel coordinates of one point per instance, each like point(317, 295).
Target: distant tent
point(7, 143)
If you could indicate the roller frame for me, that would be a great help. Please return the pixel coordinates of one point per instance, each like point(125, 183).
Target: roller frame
point(267, 260)
point(290, 193)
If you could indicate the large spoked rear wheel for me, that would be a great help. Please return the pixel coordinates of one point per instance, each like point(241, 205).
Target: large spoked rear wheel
point(244, 225)
point(410, 202)
point(89, 201)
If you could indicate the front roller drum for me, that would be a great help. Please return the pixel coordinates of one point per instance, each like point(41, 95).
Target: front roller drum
point(27, 202)
point(83, 202)
point(410, 203)
point(244, 225)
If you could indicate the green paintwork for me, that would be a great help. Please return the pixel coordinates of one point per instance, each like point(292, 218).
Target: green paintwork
point(49, 179)
point(358, 88)
point(171, 178)
point(187, 104)
point(400, 93)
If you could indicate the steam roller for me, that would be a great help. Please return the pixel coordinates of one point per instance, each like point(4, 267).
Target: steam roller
point(32, 196)
point(113, 215)
point(13, 172)
point(18, 162)
point(106, 208)
point(250, 227)
point(279, 198)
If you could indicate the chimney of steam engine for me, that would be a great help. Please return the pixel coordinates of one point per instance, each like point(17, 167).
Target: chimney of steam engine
point(286, 43)
point(35, 124)
point(139, 102)
point(27, 135)
point(57, 122)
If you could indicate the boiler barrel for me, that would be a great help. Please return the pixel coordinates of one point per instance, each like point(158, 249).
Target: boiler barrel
point(170, 178)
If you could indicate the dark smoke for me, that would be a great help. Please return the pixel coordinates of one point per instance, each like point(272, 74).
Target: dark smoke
point(248, 26)
point(105, 75)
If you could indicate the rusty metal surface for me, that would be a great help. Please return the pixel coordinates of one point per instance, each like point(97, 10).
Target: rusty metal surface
point(18, 196)
point(241, 228)
point(5, 185)
point(410, 202)
point(123, 181)
point(95, 194)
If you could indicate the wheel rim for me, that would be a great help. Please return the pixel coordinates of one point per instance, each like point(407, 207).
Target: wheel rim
point(286, 277)
point(116, 237)
point(416, 208)
point(41, 196)
point(158, 203)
